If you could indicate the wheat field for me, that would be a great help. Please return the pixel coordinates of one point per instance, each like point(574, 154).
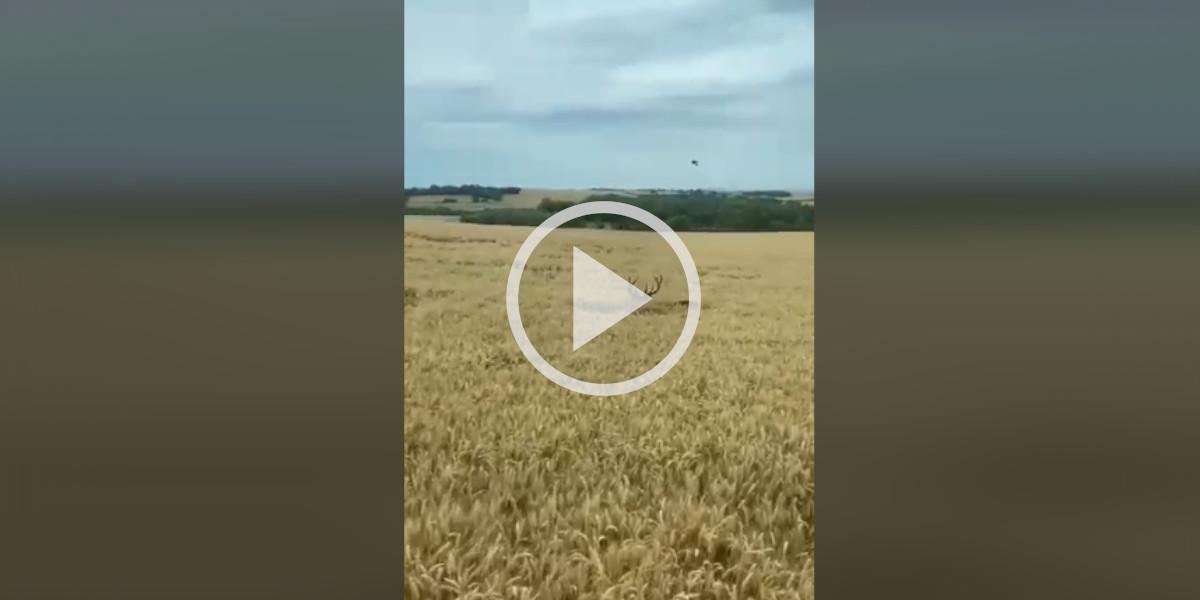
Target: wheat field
point(698, 486)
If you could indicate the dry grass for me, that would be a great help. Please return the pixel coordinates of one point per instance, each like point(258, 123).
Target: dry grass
point(699, 486)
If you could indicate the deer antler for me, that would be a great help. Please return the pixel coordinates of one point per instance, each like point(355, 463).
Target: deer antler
point(651, 290)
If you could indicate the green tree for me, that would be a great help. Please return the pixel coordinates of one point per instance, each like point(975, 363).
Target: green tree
point(680, 222)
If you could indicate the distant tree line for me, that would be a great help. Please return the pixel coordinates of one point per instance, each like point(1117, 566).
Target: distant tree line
point(681, 211)
point(551, 205)
point(434, 210)
point(477, 193)
point(721, 194)
point(769, 193)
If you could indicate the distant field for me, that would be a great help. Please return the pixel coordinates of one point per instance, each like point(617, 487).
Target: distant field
point(698, 486)
point(531, 197)
point(528, 198)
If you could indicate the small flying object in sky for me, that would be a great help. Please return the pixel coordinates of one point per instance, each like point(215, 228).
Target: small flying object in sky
point(695, 163)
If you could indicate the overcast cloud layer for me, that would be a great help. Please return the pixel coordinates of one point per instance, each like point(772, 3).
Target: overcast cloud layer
point(622, 93)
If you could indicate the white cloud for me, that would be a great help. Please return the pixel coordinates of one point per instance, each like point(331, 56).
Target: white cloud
point(733, 67)
point(582, 93)
point(546, 14)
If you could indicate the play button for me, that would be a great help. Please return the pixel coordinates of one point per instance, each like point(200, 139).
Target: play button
point(601, 298)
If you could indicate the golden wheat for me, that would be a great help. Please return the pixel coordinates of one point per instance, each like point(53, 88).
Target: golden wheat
point(698, 486)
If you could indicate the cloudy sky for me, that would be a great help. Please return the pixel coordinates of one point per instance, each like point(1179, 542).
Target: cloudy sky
point(620, 93)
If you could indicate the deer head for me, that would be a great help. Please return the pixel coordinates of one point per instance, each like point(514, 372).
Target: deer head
point(650, 289)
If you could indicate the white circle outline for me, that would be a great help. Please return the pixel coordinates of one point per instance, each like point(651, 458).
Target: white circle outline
point(514, 287)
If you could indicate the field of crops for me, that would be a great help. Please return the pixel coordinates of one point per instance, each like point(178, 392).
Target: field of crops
point(698, 486)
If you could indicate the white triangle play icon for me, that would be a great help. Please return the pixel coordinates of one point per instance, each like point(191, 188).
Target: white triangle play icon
point(601, 298)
